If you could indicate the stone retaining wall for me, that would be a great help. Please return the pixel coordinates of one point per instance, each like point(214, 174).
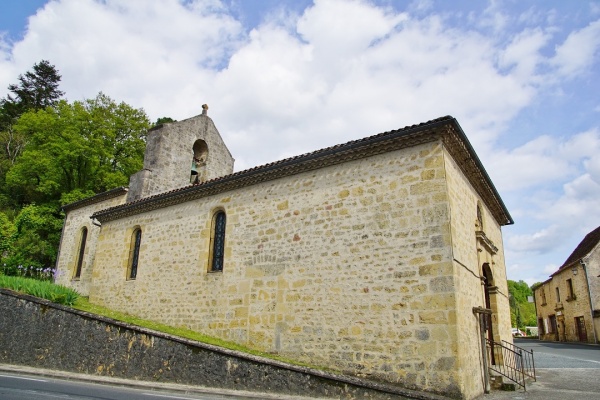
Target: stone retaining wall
point(41, 334)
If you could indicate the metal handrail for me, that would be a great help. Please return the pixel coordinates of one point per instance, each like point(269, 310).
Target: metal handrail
point(510, 362)
point(527, 357)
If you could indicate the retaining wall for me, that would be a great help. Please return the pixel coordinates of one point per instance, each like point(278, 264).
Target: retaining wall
point(42, 334)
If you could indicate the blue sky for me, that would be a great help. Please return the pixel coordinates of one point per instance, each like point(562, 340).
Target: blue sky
point(286, 77)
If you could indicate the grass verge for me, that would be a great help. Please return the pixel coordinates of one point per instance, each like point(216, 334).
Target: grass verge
point(83, 304)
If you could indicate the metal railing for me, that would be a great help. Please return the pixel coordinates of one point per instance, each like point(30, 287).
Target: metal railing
point(526, 359)
point(511, 361)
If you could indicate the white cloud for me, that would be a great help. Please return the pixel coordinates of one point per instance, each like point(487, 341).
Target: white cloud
point(543, 160)
point(536, 242)
point(523, 53)
point(299, 82)
point(141, 52)
point(579, 51)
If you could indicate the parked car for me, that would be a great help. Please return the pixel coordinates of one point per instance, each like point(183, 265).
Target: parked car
point(516, 332)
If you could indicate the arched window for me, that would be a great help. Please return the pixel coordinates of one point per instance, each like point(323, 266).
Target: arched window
point(80, 253)
point(217, 242)
point(134, 253)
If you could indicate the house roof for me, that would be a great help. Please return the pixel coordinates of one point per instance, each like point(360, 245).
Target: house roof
point(445, 128)
point(584, 248)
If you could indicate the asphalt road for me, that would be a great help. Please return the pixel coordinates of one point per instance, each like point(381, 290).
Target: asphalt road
point(26, 383)
point(562, 355)
point(564, 371)
point(19, 387)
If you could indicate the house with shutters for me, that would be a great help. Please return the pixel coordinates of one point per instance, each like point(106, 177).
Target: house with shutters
point(373, 258)
point(568, 303)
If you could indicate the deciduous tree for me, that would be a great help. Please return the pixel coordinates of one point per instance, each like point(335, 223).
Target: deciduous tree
point(89, 146)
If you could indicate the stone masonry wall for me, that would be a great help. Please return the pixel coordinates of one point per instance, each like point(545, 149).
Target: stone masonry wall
point(593, 272)
point(41, 334)
point(347, 267)
point(468, 260)
point(569, 308)
point(169, 152)
point(66, 263)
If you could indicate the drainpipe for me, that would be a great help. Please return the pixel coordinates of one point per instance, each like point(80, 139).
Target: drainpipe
point(587, 282)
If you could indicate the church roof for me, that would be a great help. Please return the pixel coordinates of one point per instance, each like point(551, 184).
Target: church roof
point(583, 249)
point(109, 194)
point(445, 128)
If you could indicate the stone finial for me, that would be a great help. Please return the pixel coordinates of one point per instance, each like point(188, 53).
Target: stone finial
point(204, 109)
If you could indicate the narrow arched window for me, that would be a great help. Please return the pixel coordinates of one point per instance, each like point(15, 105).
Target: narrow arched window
point(134, 253)
point(217, 245)
point(80, 253)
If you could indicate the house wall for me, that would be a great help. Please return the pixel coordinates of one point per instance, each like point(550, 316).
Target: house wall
point(593, 272)
point(572, 307)
point(347, 267)
point(567, 309)
point(544, 306)
point(468, 258)
point(66, 263)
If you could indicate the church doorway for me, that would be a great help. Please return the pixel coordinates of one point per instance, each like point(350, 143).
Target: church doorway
point(490, 291)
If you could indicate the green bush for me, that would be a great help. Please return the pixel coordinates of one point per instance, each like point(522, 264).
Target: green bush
point(42, 289)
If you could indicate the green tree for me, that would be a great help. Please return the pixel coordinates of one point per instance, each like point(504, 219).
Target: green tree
point(35, 238)
point(73, 151)
point(7, 235)
point(521, 311)
point(88, 147)
point(164, 120)
point(36, 90)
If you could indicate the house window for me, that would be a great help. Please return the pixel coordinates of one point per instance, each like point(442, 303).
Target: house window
point(543, 294)
point(571, 295)
point(80, 253)
point(552, 328)
point(217, 245)
point(557, 295)
point(134, 253)
point(541, 329)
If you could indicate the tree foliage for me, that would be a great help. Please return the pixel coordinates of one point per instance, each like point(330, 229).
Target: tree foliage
point(35, 90)
point(522, 312)
point(164, 120)
point(89, 146)
point(55, 152)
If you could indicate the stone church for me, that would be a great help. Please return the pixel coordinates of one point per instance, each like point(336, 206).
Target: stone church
point(368, 258)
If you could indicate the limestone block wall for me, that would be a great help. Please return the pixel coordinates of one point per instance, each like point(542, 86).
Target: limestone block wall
point(66, 263)
point(468, 257)
point(544, 306)
point(569, 308)
point(593, 271)
point(347, 267)
point(169, 152)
